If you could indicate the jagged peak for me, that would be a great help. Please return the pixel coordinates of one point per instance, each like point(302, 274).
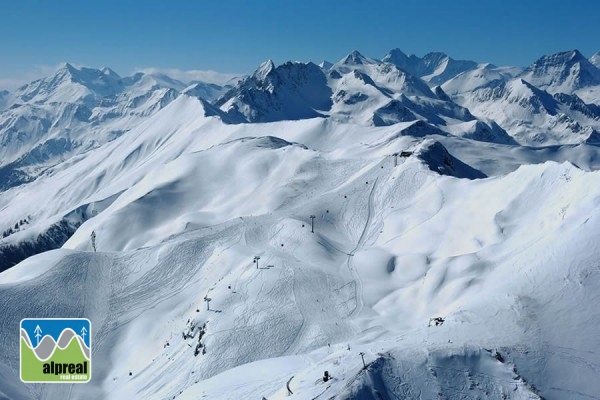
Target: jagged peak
point(354, 58)
point(264, 69)
point(563, 57)
point(395, 53)
point(565, 72)
point(66, 66)
point(576, 54)
point(65, 69)
point(435, 56)
point(82, 73)
point(326, 65)
point(109, 72)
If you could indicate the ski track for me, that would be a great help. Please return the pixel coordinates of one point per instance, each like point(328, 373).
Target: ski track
point(359, 244)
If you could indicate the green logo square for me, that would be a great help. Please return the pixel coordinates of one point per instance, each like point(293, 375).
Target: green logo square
point(56, 350)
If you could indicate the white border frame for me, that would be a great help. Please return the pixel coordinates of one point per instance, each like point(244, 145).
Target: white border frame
point(50, 382)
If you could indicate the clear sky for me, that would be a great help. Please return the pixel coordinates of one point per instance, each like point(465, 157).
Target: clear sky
point(237, 35)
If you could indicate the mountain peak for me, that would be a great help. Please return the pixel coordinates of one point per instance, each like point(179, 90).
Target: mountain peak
point(264, 69)
point(354, 58)
point(435, 67)
point(396, 53)
point(434, 56)
point(66, 66)
point(561, 58)
point(109, 72)
point(564, 72)
point(293, 90)
point(398, 58)
point(325, 64)
point(70, 84)
point(65, 69)
point(576, 54)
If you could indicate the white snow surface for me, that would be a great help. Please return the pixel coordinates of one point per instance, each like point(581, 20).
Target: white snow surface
point(484, 75)
point(404, 245)
point(497, 239)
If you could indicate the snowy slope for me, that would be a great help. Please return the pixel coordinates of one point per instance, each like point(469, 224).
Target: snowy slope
point(206, 91)
point(485, 75)
point(74, 110)
point(392, 247)
point(533, 116)
point(422, 208)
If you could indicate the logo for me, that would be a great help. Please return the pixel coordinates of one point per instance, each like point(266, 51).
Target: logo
point(56, 350)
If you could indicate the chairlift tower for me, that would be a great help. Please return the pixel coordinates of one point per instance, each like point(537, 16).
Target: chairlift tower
point(256, 258)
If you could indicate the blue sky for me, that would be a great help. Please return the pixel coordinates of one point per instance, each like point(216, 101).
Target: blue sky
point(236, 35)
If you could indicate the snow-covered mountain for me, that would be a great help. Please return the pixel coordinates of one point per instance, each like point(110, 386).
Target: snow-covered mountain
point(595, 59)
point(485, 75)
point(553, 101)
point(434, 68)
point(563, 72)
point(404, 223)
point(356, 89)
point(77, 109)
point(206, 91)
point(288, 92)
point(534, 116)
point(385, 75)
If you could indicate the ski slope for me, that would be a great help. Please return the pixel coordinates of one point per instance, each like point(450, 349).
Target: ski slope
point(393, 247)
